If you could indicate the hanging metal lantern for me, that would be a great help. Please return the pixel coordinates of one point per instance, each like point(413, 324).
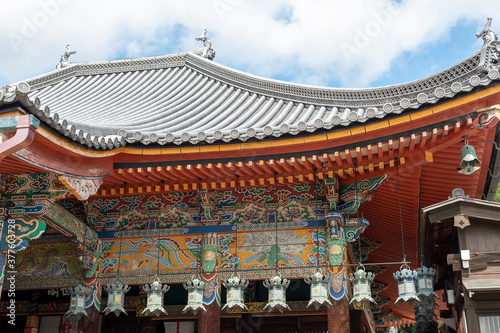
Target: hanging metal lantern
point(195, 290)
point(406, 285)
point(319, 290)
point(425, 281)
point(77, 302)
point(155, 298)
point(116, 298)
point(361, 286)
point(277, 294)
point(469, 159)
point(235, 294)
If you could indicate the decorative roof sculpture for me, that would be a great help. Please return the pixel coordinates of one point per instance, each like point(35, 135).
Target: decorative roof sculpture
point(490, 51)
point(206, 51)
point(64, 58)
point(487, 34)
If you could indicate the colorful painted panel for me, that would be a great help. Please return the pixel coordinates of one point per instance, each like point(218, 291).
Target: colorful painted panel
point(178, 254)
point(179, 210)
point(49, 259)
point(260, 249)
point(140, 255)
point(65, 221)
point(33, 183)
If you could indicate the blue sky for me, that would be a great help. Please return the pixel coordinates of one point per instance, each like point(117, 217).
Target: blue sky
point(334, 43)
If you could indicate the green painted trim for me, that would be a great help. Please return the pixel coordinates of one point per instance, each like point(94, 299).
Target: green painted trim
point(9, 124)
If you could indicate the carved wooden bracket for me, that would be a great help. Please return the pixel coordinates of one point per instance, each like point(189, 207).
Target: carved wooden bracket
point(81, 188)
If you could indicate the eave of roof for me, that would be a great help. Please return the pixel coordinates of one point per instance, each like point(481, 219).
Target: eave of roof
point(460, 205)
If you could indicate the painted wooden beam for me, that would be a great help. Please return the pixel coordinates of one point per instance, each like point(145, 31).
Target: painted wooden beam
point(25, 127)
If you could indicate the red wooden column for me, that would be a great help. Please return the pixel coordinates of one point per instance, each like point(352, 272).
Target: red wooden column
point(209, 322)
point(90, 324)
point(338, 316)
point(32, 323)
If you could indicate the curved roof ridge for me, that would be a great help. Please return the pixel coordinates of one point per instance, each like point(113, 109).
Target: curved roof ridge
point(220, 71)
point(329, 96)
point(107, 67)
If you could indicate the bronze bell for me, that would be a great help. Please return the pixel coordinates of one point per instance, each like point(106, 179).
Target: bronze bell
point(469, 160)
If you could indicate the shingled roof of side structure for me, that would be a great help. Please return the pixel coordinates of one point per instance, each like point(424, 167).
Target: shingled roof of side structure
point(185, 98)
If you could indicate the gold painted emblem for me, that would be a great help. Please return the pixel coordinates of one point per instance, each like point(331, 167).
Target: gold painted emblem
point(118, 298)
point(335, 249)
point(191, 297)
point(209, 255)
point(402, 288)
point(228, 295)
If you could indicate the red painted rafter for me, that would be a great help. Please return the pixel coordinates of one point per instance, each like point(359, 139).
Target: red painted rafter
point(293, 170)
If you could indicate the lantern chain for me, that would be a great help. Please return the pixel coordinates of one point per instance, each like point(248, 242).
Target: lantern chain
point(400, 211)
point(316, 218)
point(121, 235)
point(276, 226)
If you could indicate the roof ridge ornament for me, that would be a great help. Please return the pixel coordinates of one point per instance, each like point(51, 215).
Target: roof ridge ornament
point(10, 93)
point(490, 51)
point(64, 58)
point(206, 51)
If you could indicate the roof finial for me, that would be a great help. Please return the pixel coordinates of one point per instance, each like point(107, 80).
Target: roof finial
point(206, 51)
point(490, 51)
point(64, 58)
point(487, 34)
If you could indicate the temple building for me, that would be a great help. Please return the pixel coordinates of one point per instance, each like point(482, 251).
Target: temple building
point(174, 194)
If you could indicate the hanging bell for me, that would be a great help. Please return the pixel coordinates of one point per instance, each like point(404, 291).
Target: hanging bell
point(469, 160)
point(77, 302)
point(319, 290)
point(361, 282)
point(155, 298)
point(195, 290)
point(116, 298)
point(406, 285)
point(277, 294)
point(235, 294)
point(425, 282)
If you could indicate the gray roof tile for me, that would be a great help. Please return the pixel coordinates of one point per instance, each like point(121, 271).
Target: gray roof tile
point(186, 99)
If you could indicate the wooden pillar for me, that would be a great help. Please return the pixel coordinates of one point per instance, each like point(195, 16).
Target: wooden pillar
point(32, 323)
point(147, 325)
point(209, 322)
point(338, 316)
point(356, 321)
point(470, 313)
point(90, 324)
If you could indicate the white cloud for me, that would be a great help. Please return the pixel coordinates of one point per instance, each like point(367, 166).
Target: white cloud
point(305, 41)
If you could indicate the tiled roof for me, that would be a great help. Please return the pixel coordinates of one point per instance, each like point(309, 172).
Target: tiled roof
point(186, 99)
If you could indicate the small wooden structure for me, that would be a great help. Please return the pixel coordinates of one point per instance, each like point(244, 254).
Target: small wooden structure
point(462, 241)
